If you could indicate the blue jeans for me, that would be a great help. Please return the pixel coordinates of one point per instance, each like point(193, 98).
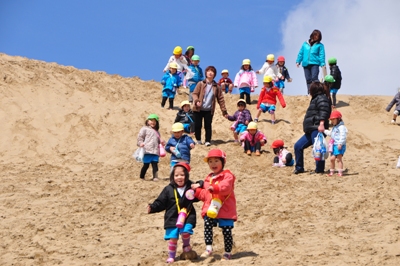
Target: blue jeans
point(311, 73)
point(304, 142)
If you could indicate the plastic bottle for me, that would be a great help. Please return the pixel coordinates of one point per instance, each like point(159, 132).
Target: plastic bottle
point(213, 210)
point(398, 163)
point(330, 145)
point(181, 218)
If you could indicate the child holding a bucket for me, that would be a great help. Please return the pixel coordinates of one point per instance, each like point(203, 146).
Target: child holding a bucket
point(149, 138)
point(176, 200)
point(219, 206)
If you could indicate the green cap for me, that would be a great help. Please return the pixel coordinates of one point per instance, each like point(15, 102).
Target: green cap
point(332, 60)
point(329, 78)
point(195, 57)
point(153, 116)
point(189, 47)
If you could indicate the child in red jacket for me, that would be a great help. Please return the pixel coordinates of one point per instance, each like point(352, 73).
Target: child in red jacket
point(219, 202)
point(267, 99)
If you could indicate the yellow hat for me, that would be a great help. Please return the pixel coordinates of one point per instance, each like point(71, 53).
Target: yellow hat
point(270, 57)
point(246, 62)
point(184, 103)
point(173, 65)
point(177, 127)
point(177, 50)
point(241, 101)
point(267, 79)
point(225, 71)
point(252, 125)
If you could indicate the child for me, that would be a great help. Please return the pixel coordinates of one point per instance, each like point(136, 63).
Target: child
point(180, 60)
point(185, 116)
point(218, 189)
point(189, 54)
point(337, 144)
point(242, 117)
point(246, 80)
point(283, 156)
point(177, 196)
point(149, 138)
point(337, 79)
point(225, 82)
point(267, 99)
point(396, 100)
point(171, 82)
point(284, 72)
point(253, 139)
point(197, 75)
point(179, 145)
point(269, 69)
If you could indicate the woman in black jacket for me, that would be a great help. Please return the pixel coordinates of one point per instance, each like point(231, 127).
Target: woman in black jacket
point(316, 120)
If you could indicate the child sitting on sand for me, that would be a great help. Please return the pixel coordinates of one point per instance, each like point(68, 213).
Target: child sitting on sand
point(253, 139)
point(283, 156)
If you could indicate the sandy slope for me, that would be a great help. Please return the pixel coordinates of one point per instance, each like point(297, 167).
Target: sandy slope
point(70, 192)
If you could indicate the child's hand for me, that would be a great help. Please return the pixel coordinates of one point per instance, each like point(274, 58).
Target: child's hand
point(141, 145)
point(246, 122)
point(194, 186)
point(339, 146)
point(257, 72)
point(191, 145)
point(210, 188)
point(226, 116)
point(148, 209)
point(163, 142)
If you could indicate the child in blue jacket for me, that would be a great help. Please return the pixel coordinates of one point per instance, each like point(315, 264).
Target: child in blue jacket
point(179, 145)
point(197, 75)
point(171, 82)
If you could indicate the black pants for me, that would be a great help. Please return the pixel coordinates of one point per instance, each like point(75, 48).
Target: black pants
point(242, 94)
point(226, 231)
point(143, 171)
point(171, 102)
point(247, 146)
point(198, 124)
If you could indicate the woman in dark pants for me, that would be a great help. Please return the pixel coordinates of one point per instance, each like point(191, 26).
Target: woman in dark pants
point(312, 56)
point(205, 96)
point(316, 120)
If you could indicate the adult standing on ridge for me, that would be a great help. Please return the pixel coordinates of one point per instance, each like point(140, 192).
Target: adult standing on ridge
point(312, 56)
point(205, 96)
point(315, 120)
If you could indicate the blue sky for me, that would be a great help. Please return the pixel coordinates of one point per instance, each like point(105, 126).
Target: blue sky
point(136, 38)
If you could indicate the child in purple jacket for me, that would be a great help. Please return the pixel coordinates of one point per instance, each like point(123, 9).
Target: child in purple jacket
point(242, 117)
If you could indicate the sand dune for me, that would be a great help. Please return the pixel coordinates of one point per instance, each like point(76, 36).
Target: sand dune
point(71, 193)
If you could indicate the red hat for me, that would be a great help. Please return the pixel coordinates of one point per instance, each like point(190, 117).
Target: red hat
point(281, 58)
point(184, 165)
point(277, 144)
point(215, 153)
point(335, 114)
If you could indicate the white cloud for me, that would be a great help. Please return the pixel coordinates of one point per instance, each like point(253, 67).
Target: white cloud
point(364, 36)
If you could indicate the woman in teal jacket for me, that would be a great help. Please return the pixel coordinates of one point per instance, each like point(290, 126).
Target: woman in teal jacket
point(311, 56)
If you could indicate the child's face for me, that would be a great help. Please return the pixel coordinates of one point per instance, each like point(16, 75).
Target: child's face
point(335, 121)
point(241, 107)
point(246, 67)
point(276, 150)
point(152, 122)
point(281, 63)
point(267, 84)
point(252, 131)
point(270, 62)
point(225, 75)
point(179, 176)
point(177, 56)
point(186, 108)
point(178, 134)
point(172, 70)
point(195, 62)
point(215, 164)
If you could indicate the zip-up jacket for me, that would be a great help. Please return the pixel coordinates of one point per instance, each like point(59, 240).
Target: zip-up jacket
point(259, 136)
point(269, 95)
point(246, 79)
point(338, 134)
point(319, 109)
point(337, 76)
point(245, 116)
point(311, 55)
point(182, 145)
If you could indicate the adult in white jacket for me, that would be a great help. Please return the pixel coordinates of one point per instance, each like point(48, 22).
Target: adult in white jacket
point(337, 143)
point(270, 69)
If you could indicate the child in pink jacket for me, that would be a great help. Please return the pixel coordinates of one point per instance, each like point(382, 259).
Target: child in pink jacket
point(246, 80)
point(253, 139)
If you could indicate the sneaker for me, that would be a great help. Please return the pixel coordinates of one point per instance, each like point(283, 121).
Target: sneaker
point(207, 144)
point(340, 174)
point(393, 122)
point(248, 152)
point(170, 260)
point(258, 153)
point(198, 142)
point(330, 174)
point(206, 254)
point(276, 165)
point(256, 120)
point(316, 173)
point(155, 179)
point(298, 171)
point(236, 141)
point(273, 122)
point(226, 256)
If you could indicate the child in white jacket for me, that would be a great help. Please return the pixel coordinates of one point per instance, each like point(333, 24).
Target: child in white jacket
point(270, 69)
point(337, 143)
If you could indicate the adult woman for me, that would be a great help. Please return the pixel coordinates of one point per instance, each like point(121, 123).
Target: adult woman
point(312, 56)
point(206, 93)
point(316, 120)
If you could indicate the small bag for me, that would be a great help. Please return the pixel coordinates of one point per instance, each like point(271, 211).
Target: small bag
point(139, 154)
point(162, 150)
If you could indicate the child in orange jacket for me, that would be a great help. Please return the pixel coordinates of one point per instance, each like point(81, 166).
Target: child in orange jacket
point(267, 99)
point(219, 202)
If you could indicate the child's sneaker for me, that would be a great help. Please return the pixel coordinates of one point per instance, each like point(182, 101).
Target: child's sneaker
point(340, 174)
point(276, 165)
point(236, 141)
point(170, 260)
point(206, 254)
point(258, 153)
point(331, 172)
point(198, 142)
point(207, 144)
point(248, 152)
point(393, 122)
point(226, 256)
point(273, 122)
point(256, 120)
